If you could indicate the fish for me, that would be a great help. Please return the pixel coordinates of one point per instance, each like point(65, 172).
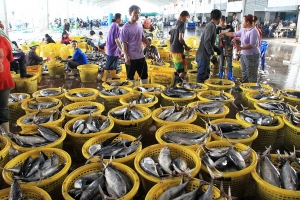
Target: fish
point(180, 165)
point(178, 93)
point(190, 86)
point(165, 159)
point(92, 189)
point(177, 114)
point(50, 92)
point(15, 192)
point(149, 166)
point(185, 138)
point(116, 91)
point(123, 83)
point(16, 98)
point(81, 94)
point(90, 125)
point(129, 113)
point(48, 133)
point(220, 83)
point(295, 94)
point(173, 192)
point(141, 99)
point(236, 158)
point(144, 88)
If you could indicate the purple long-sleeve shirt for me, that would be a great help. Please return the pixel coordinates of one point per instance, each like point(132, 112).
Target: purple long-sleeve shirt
point(251, 37)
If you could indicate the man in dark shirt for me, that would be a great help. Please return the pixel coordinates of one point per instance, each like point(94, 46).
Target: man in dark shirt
point(48, 39)
point(178, 44)
point(31, 56)
point(205, 52)
point(151, 52)
point(66, 26)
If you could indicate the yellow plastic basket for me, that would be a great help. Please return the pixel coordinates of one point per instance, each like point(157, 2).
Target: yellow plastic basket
point(206, 117)
point(202, 96)
point(266, 112)
point(158, 189)
point(37, 69)
point(111, 102)
point(107, 86)
point(190, 128)
point(52, 185)
point(26, 85)
point(159, 122)
point(192, 75)
point(169, 101)
point(157, 93)
point(250, 100)
point(266, 191)
point(229, 84)
point(97, 167)
point(246, 90)
point(61, 96)
point(16, 110)
point(291, 100)
point(78, 140)
point(126, 100)
point(55, 68)
point(247, 141)
point(88, 72)
point(237, 180)
point(194, 65)
point(203, 86)
point(99, 109)
point(128, 160)
point(237, 69)
point(28, 110)
point(291, 135)
point(191, 157)
point(189, 59)
point(28, 192)
point(82, 90)
point(24, 127)
point(57, 144)
point(165, 79)
point(132, 127)
point(5, 144)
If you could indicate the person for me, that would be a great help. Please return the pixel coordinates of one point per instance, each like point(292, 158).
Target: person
point(48, 39)
point(226, 48)
point(101, 41)
point(278, 20)
point(178, 45)
point(193, 18)
point(19, 62)
point(255, 21)
point(31, 56)
point(288, 21)
point(132, 36)
point(295, 20)
point(250, 54)
point(78, 58)
point(205, 52)
point(65, 38)
point(147, 23)
point(235, 23)
point(6, 82)
point(151, 52)
point(66, 26)
point(113, 48)
point(93, 40)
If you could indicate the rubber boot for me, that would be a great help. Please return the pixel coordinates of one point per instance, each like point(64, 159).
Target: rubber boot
point(5, 127)
point(221, 74)
point(133, 82)
point(113, 74)
point(144, 81)
point(104, 76)
point(230, 77)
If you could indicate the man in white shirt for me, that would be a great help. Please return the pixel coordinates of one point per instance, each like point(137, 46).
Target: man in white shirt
point(93, 40)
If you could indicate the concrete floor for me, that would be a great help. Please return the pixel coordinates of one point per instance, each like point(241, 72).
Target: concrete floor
point(278, 75)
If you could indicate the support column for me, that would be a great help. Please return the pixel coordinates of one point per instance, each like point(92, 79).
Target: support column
point(298, 27)
point(3, 15)
point(44, 15)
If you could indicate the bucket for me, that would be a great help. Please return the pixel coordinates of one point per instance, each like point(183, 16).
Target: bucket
point(88, 72)
point(26, 85)
point(192, 75)
point(55, 68)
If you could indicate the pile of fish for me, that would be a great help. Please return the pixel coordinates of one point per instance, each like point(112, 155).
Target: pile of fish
point(115, 149)
point(266, 96)
point(258, 118)
point(294, 119)
point(178, 92)
point(220, 83)
point(116, 83)
point(81, 94)
point(258, 86)
point(36, 119)
point(109, 184)
point(141, 99)
point(276, 107)
point(280, 172)
point(214, 107)
point(16, 98)
point(128, 113)
point(164, 165)
point(40, 105)
point(44, 137)
point(226, 159)
point(157, 62)
point(176, 113)
point(37, 169)
point(215, 97)
point(185, 138)
point(190, 86)
point(49, 92)
point(90, 125)
point(291, 94)
point(232, 130)
point(15, 191)
point(82, 110)
point(150, 89)
point(114, 92)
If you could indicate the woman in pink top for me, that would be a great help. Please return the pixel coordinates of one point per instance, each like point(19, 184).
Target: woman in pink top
point(249, 49)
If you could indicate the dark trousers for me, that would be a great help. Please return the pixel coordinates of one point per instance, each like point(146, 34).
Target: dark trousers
point(203, 70)
point(139, 66)
point(111, 62)
point(19, 63)
point(72, 64)
point(4, 109)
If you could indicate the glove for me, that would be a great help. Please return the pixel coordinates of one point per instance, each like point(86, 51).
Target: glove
point(214, 60)
point(218, 50)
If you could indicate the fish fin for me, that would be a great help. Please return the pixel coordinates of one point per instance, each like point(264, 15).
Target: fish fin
point(41, 177)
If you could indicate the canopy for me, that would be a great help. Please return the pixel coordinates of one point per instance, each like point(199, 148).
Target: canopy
point(150, 14)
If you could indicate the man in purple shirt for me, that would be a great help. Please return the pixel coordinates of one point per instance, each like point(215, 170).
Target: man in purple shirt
point(113, 48)
point(249, 49)
point(132, 36)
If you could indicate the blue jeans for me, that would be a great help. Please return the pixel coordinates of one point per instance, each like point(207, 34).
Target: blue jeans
point(89, 42)
point(203, 70)
point(229, 63)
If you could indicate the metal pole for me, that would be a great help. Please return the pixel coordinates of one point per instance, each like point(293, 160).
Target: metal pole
point(5, 18)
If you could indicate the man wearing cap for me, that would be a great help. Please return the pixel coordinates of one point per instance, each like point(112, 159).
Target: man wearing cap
point(32, 57)
point(78, 58)
point(101, 42)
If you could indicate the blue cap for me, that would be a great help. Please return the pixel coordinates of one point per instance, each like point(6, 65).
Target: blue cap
point(100, 33)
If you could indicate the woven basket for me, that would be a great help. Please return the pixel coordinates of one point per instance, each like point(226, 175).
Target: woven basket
point(202, 96)
point(28, 192)
point(291, 100)
point(61, 96)
point(291, 135)
point(83, 90)
point(151, 105)
point(212, 86)
point(250, 100)
point(246, 90)
point(28, 110)
point(16, 110)
point(169, 101)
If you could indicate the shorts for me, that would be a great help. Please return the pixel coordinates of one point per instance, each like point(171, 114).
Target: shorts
point(111, 62)
point(179, 62)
